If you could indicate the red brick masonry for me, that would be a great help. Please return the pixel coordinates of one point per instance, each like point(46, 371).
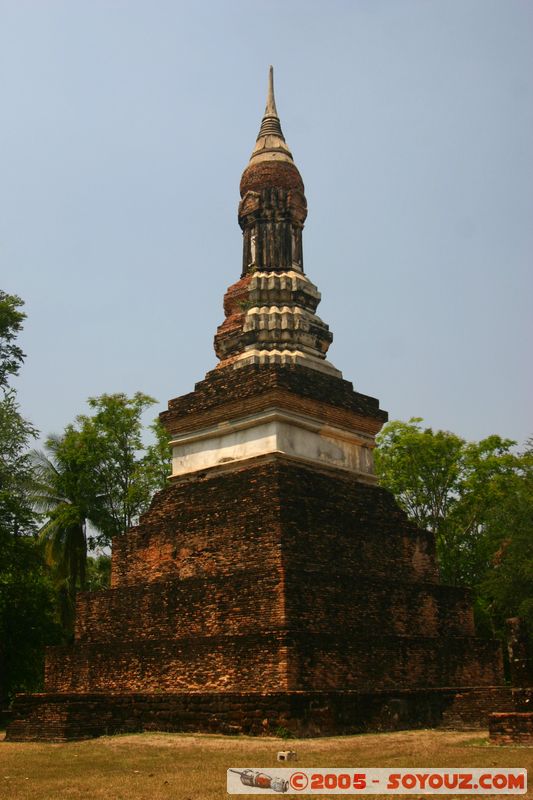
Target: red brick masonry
point(74, 716)
point(511, 728)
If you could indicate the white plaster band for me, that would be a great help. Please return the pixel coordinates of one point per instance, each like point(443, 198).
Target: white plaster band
point(305, 421)
point(272, 431)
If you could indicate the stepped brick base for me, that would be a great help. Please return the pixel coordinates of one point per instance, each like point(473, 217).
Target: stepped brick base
point(511, 728)
point(273, 595)
point(60, 717)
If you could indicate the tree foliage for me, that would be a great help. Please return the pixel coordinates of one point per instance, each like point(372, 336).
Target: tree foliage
point(11, 323)
point(157, 461)
point(28, 617)
point(27, 600)
point(113, 435)
point(66, 493)
point(508, 584)
point(477, 498)
point(93, 482)
point(98, 572)
point(16, 517)
point(89, 484)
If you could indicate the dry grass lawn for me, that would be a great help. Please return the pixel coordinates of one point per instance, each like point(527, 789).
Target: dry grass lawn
point(159, 766)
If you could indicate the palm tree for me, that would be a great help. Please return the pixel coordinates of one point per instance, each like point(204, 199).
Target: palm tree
point(65, 492)
point(93, 477)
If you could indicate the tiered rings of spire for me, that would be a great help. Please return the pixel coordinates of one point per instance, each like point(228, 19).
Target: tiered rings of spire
point(270, 311)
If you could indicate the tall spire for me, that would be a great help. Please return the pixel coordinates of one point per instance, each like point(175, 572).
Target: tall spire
point(271, 311)
point(270, 144)
point(271, 101)
point(270, 125)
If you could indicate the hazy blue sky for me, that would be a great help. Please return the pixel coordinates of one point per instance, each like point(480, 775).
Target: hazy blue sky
point(125, 126)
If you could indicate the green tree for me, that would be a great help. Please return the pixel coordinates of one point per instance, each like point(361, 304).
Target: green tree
point(446, 485)
point(507, 586)
point(67, 491)
point(477, 498)
point(98, 572)
point(126, 474)
point(157, 461)
point(11, 323)
point(28, 617)
point(93, 483)
point(27, 600)
point(16, 517)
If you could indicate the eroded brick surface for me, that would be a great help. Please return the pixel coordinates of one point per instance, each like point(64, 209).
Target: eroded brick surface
point(75, 716)
point(511, 728)
point(225, 385)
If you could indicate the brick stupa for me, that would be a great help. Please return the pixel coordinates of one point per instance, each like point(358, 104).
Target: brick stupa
point(272, 584)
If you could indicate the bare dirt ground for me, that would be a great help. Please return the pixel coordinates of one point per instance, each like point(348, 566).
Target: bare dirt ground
point(159, 766)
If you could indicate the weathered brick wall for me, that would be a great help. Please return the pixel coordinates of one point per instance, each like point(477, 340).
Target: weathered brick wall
point(275, 398)
point(302, 600)
point(472, 707)
point(520, 649)
point(369, 606)
point(218, 663)
point(272, 510)
point(272, 660)
point(335, 525)
point(511, 728)
point(242, 603)
point(385, 662)
point(72, 716)
point(208, 526)
point(226, 385)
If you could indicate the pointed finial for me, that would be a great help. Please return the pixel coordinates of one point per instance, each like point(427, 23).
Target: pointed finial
point(270, 125)
point(271, 109)
point(270, 144)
